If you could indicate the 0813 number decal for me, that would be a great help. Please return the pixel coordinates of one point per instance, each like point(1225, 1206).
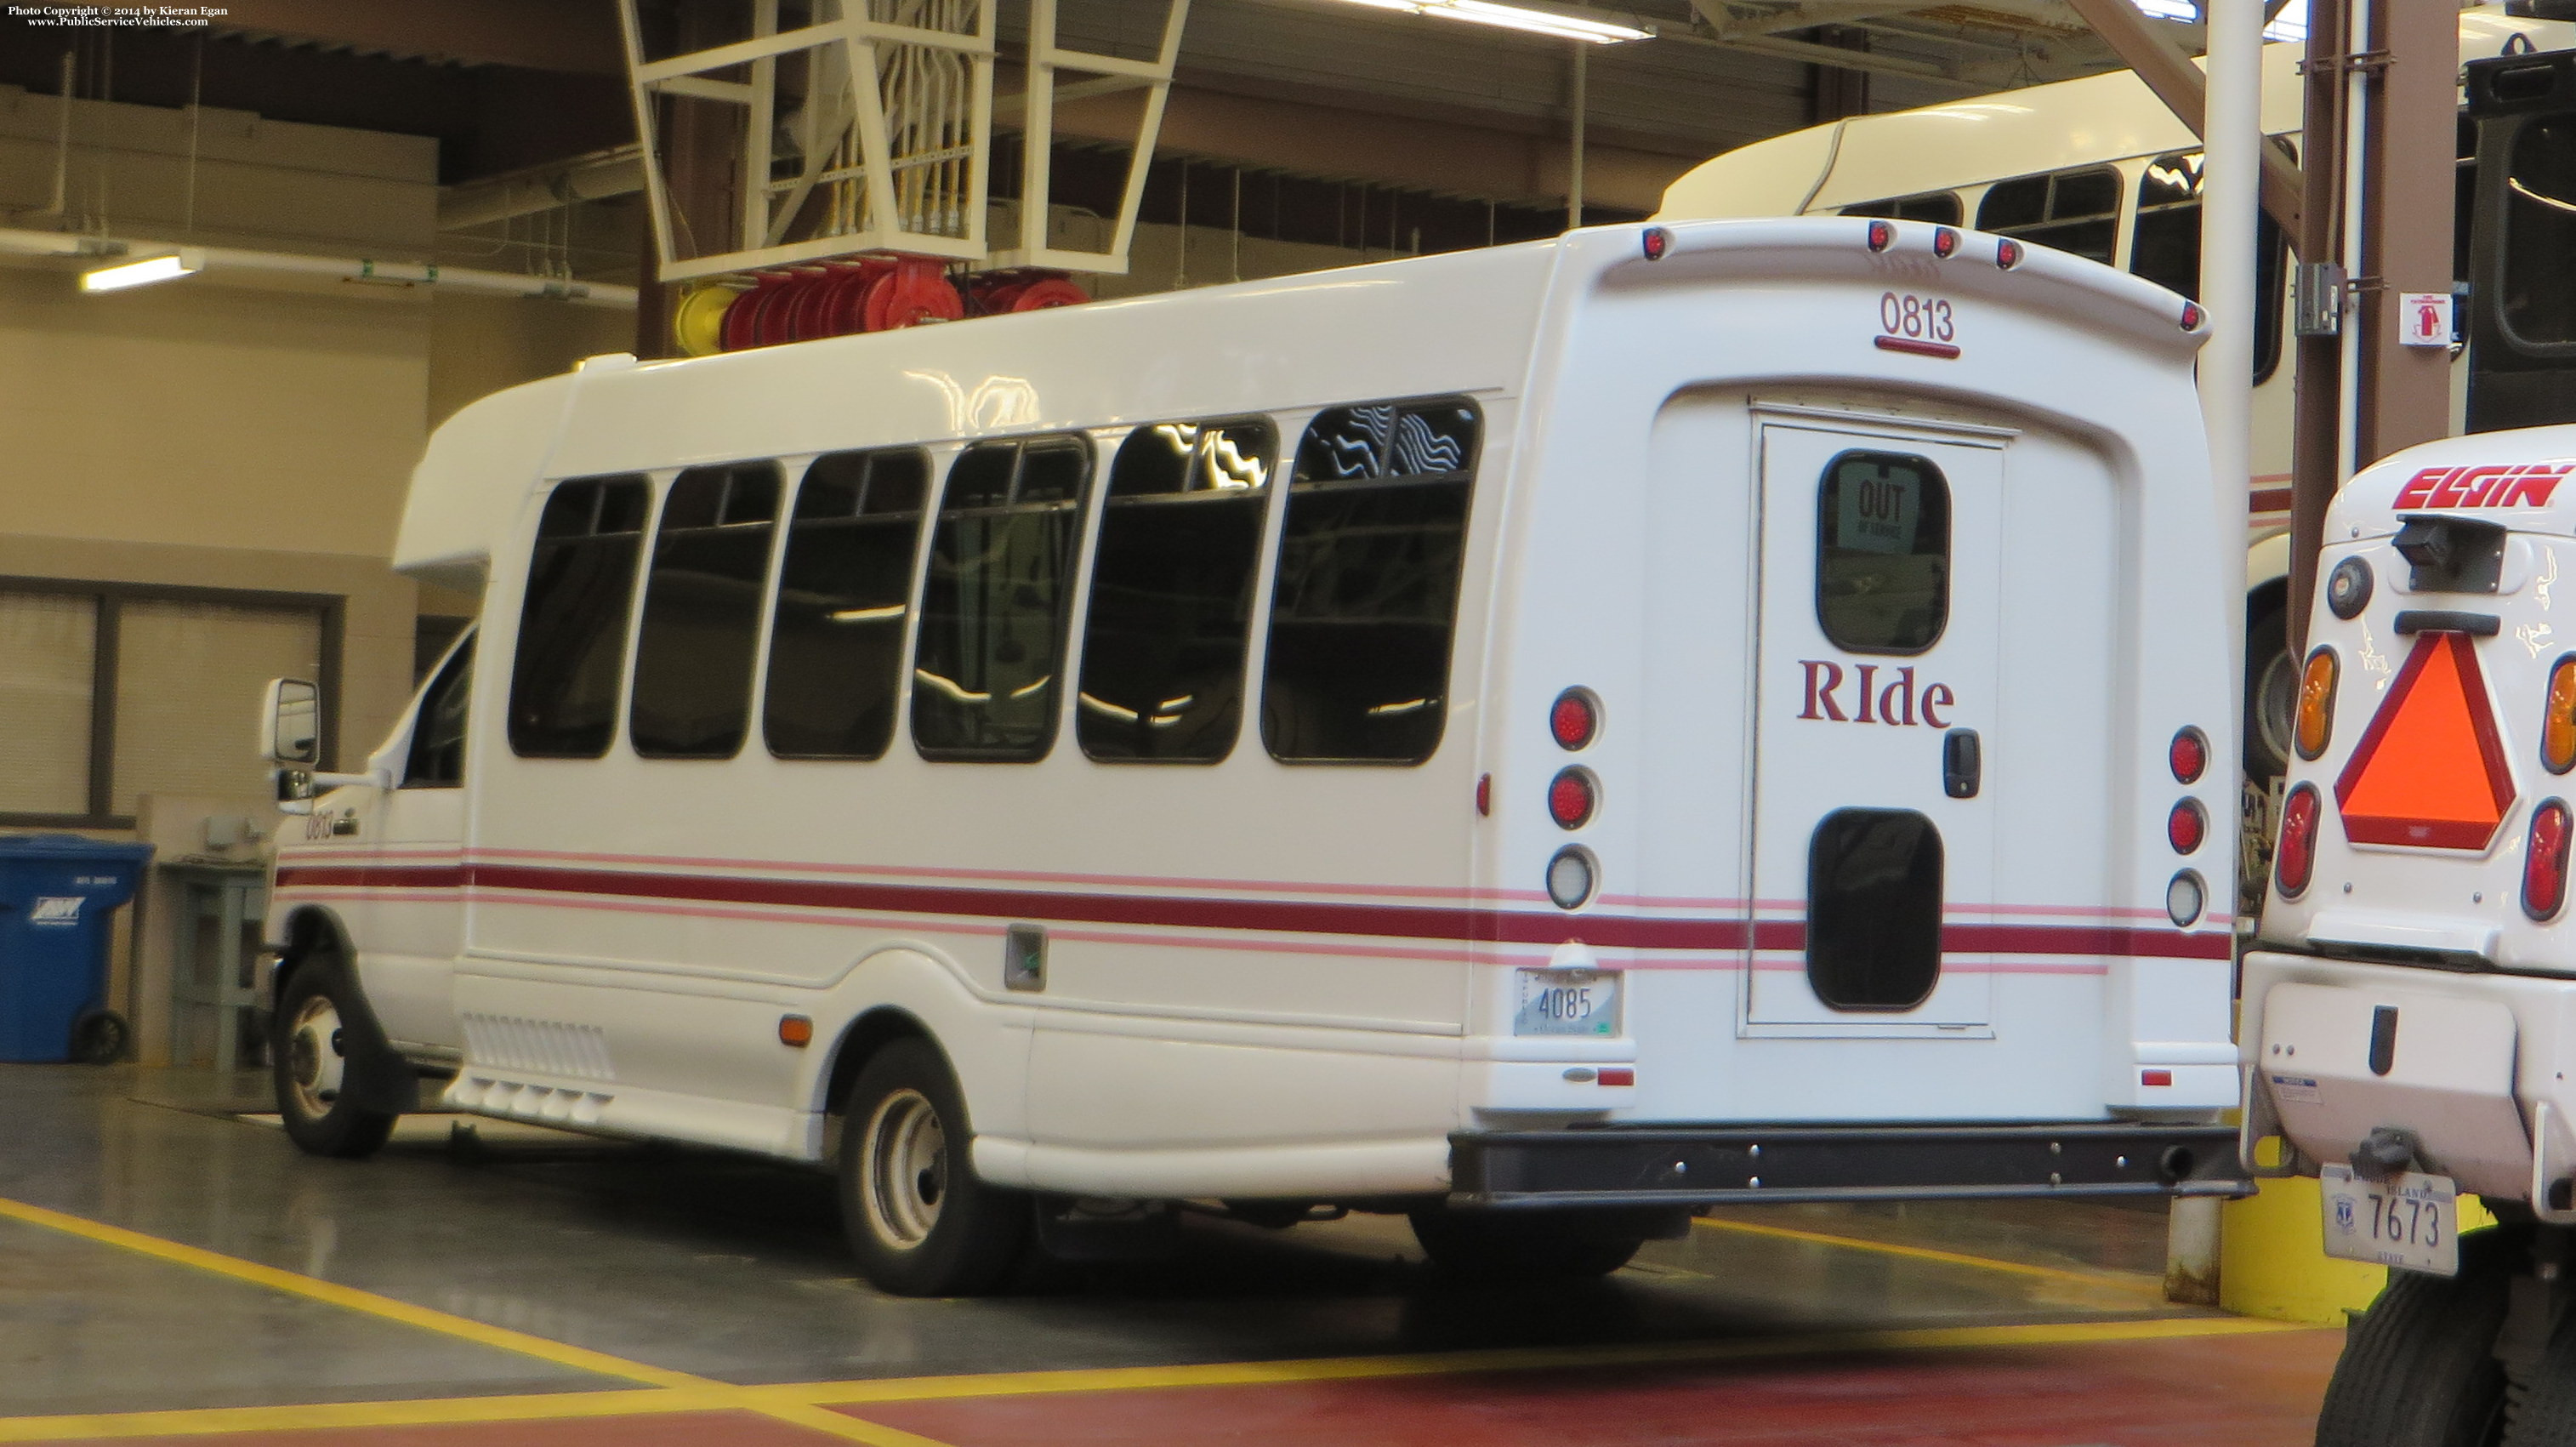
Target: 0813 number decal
point(1922, 318)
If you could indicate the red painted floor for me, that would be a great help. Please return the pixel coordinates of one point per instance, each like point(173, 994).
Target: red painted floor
point(2259, 1391)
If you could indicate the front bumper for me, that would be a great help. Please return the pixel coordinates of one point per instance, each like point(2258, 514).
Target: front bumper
point(1734, 1164)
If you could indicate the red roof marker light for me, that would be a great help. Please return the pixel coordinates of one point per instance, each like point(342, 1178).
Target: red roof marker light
point(1657, 242)
point(1882, 235)
point(1944, 241)
point(2007, 254)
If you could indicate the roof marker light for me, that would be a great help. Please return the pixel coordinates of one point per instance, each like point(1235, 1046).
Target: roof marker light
point(2191, 315)
point(1882, 235)
point(1944, 241)
point(1657, 241)
point(2007, 253)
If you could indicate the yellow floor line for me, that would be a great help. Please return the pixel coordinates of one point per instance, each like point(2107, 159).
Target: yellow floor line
point(1927, 1253)
point(682, 1391)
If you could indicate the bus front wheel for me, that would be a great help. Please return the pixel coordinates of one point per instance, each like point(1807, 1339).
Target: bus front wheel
point(314, 1067)
point(1534, 1245)
point(919, 1221)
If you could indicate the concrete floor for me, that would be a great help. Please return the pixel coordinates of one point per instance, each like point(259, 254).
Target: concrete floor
point(169, 1269)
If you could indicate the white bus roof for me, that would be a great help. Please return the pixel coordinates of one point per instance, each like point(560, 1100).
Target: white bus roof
point(2024, 132)
point(1462, 322)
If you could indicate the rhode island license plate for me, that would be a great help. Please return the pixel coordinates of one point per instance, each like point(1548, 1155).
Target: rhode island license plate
point(1568, 1002)
point(2408, 1220)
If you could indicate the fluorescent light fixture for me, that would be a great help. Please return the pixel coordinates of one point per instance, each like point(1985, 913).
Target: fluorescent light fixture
point(1516, 17)
point(144, 272)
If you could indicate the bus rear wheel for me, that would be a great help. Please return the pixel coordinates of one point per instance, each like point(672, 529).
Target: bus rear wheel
point(311, 1063)
point(919, 1221)
point(2419, 1368)
point(1536, 1245)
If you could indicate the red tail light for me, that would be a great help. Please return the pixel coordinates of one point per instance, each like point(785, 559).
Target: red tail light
point(2294, 856)
point(1574, 718)
point(2186, 826)
point(1571, 799)
point(2544, 861)
point(2189, 755)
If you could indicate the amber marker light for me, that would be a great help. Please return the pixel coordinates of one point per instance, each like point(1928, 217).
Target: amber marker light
point(795, 1030)
point(2558, 724)
point(2316, 703)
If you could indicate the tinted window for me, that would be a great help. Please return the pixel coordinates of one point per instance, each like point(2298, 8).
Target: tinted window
point(1883, 552)
point(993, 604)
point(1874, 909)
point(437, 759)
point(2164, 247)
point(844, 590)
point(1171, 592)
point(570, 665)
point(2539, 301)
point(1367, 589)
point(1939, 207)
point(693, 661)
point(2075, 211)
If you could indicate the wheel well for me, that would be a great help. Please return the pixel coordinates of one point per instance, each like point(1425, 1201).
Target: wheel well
point(309, 932)
point(866, 1036)
point(2264, 598)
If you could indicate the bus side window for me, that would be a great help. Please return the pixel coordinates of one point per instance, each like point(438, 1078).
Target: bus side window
point(569, 669)
point(844, 591)
point(2164, 247)
point(993, 612)
point(2537, 299)
point(1941, 208)
point(1367, 591)
point(2077, 211)
point(437, 759)
point(694, 659)
point(1171, 592)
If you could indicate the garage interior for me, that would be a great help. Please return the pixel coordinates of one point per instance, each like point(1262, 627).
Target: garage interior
point(203, 486)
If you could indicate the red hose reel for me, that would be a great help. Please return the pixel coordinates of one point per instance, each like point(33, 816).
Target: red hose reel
point(877, 294)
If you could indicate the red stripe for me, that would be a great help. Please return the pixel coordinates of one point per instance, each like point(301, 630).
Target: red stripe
point(2269, 499)
point(1483, 926)
point(1944, 350)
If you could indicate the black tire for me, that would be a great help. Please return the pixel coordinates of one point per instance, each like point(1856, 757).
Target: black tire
point(1519, 1246)
point(316, 1070)
point(98, 1038)
point(2419, 1367)
point(919, 1221)
point(2271, 693)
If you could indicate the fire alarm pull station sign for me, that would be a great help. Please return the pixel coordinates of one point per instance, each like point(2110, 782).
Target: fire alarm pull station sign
point(2424, 318)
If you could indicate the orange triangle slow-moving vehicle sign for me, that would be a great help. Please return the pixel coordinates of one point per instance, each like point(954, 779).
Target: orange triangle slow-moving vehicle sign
point(2430, 770)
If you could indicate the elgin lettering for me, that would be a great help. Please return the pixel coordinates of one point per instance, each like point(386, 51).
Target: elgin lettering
point(2528, 484)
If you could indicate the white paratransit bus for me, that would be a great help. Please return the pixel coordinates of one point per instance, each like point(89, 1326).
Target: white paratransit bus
point(1541, 739)
point(2101, 168)
point(2410, 1007)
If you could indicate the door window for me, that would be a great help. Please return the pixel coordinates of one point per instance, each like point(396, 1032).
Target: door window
point(1874, 909)
point(1883, 552)
point(438, 734)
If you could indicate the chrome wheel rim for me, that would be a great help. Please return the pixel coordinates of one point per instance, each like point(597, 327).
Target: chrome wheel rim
point(315, 1063)
point(906, 1181)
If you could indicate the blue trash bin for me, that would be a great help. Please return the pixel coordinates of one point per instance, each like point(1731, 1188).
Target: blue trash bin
point(58, 896)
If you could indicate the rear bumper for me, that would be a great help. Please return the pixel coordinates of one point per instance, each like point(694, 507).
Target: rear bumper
point(1709, 1165)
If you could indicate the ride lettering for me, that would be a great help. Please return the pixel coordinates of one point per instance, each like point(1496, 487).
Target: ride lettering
point(1895, 701)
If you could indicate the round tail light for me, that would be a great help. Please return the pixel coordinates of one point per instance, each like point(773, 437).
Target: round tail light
point(2558, 725)
point(2186, 826)
point(1882, 235)
point(2544, 862)
point(2294, 855)
point(1574, 718)
point(1572, 797)
point(2185, 898)
point(2189, 755)
point(1569, 877)
point(2316, 703)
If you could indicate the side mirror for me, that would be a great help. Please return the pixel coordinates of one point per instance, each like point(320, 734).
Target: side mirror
point(290, 723)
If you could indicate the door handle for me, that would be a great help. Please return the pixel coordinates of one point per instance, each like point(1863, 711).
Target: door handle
point(1963, 763)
